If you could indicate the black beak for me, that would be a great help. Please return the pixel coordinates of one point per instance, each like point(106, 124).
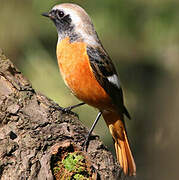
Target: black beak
point(45, 14)
point(49, 15)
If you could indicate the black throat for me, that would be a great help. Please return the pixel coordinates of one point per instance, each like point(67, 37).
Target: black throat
point(66, 29)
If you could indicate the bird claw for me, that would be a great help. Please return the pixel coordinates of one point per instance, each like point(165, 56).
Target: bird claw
point(66, 110)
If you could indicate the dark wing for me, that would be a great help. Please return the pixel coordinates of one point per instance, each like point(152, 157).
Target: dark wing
point(107, 77)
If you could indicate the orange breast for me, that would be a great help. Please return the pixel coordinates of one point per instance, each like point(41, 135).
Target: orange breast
point(77, 73)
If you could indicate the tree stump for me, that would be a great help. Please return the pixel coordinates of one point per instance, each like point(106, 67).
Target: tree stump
point(40, 141)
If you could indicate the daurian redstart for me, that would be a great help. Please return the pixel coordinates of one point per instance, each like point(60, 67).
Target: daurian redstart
point(90, 74)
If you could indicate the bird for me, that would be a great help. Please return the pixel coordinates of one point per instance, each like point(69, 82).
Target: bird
point(90, 74)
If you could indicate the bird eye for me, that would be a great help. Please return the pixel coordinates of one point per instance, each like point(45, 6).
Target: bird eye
point(60, 14)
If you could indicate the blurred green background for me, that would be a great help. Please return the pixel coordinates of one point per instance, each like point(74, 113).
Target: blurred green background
point(142, 38)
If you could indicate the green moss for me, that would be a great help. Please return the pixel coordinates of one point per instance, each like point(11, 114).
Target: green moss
point(79, 177)
point(73, 161)
point(56, 169)
point(73, 166)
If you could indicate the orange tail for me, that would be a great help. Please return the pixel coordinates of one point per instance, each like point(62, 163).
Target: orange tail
point(123, 152)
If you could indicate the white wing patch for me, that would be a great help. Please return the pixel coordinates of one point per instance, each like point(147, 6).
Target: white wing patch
point(114, 80)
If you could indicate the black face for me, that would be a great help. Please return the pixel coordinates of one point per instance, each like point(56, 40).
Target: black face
point(63, 23)
point(58, 16)
point(61, 20)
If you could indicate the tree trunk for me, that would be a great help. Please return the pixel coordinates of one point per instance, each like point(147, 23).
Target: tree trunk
point(40, 141)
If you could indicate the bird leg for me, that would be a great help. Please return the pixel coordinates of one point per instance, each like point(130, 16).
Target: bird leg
point(67, 109)
point(85, 144)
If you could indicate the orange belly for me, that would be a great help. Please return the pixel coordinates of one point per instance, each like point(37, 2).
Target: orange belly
point(77, 73)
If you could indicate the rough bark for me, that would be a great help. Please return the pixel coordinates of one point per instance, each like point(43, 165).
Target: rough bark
point(34, 133)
